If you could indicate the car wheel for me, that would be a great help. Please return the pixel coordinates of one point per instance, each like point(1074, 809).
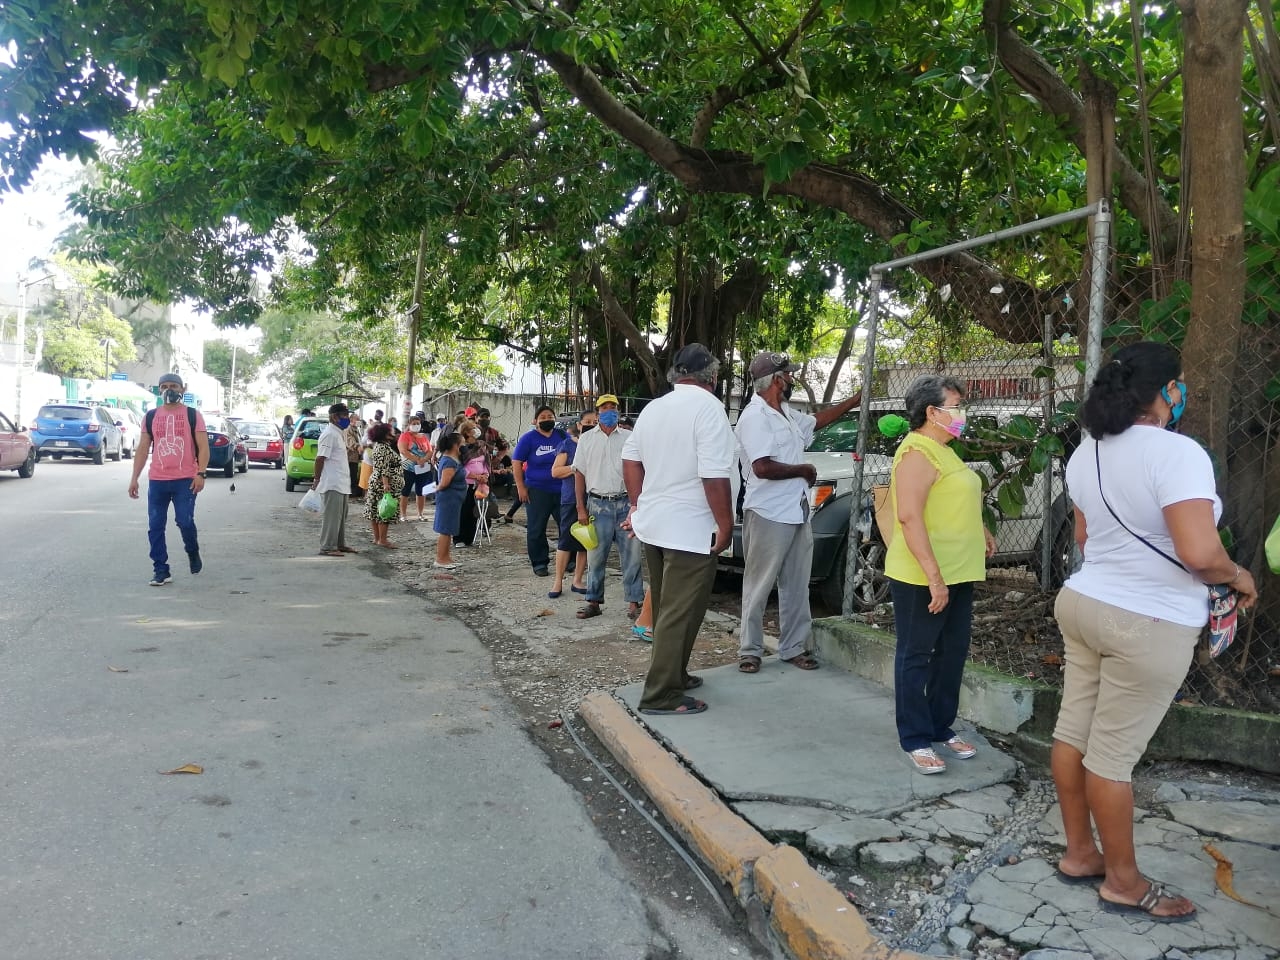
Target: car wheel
point(100, 455)
point(119, 454)
point(230, 468)
point(28, 465)
point(1061, 553)
point(57, 456)
point(870, 585)
point(279, 464)
point(127, 452)
point(244, 465)
point(288, 484)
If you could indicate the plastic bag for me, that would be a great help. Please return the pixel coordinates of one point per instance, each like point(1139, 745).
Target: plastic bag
point(388, 506)
point(1273, 547)
point(311, 501)
point(585, 533)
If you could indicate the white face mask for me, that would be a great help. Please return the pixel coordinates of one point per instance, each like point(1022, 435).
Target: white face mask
point(415, 428)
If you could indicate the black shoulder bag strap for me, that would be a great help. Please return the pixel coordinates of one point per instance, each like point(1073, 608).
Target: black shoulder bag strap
point(1097, 459)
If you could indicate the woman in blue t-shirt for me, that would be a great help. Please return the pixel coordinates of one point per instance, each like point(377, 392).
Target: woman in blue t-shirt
point(531, 464)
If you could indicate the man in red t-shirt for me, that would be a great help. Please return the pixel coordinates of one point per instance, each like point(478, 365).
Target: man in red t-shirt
point(179, 456)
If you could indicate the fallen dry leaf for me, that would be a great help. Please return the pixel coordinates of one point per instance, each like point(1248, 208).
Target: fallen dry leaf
point(545, 612)
point(1051, 660)
point(117, 669)
point(1222, 876)
point(185, 768)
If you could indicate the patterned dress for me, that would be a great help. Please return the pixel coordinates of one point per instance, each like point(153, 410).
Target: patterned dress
point(386, 466)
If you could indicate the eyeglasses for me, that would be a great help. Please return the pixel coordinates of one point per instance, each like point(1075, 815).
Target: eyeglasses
point(957, 410)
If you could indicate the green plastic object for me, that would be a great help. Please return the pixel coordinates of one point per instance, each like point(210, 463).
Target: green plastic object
point(891, 425)
point(585, 533)
point(388, 506)
point(1272, 547)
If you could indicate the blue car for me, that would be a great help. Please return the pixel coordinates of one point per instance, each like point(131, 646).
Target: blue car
point(228, 451)
point(77, 430)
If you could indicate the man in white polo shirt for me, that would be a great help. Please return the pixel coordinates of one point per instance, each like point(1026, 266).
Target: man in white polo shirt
point(602, 494)
point(776, 535)
point(677, 463)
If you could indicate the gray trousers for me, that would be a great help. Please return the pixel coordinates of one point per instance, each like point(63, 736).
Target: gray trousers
point(333, 522)
point(779, 553)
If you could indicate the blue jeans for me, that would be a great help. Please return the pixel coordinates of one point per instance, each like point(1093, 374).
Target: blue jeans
point(542, 506)
point(160, 493)
point(929, 662)
point(609, 515)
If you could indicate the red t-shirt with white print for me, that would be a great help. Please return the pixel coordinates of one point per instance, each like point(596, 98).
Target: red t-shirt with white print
point(173, 449)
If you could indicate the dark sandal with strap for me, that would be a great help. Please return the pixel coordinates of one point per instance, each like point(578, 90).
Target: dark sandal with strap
point(749, 664)
point(804, 661)
point(692, 683)
point(688, 706)
point(589, 611)
point(1150, 900)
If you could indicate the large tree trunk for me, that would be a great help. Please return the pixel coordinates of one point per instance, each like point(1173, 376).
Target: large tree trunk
point(1213, 41)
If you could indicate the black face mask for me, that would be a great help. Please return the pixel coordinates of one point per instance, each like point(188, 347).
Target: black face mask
point(546, 426)
point(787, 390)
point(484, 422)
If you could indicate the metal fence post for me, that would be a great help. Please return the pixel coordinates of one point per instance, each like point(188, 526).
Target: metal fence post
point(853, 545)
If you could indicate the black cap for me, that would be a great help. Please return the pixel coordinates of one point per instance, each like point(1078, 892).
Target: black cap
point(692, 358)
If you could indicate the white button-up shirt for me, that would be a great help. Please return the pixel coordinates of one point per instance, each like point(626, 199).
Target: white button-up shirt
point(336, 475)
point(599, 460)
point(682, 439)
point(781, 436)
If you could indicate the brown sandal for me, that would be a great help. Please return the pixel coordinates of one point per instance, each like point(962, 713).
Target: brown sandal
point(804, 661)
point(749, 664)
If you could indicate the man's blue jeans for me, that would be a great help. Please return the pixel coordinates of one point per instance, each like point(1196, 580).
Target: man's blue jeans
point(609, 515)
point(160, 493)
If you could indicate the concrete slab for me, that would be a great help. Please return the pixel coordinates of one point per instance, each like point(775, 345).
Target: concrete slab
point(747, 744)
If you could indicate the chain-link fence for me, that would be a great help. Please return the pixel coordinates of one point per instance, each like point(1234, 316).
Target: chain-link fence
point(1022, 427)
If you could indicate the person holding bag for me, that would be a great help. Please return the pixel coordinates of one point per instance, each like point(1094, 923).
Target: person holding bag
point(415, 459)
point(387, 477)
point(450, 492)
point(1130, 621)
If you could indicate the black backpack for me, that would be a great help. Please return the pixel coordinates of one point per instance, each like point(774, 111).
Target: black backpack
point(191, 422)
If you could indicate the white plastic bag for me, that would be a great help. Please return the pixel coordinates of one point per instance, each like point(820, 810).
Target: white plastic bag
point(311, 501)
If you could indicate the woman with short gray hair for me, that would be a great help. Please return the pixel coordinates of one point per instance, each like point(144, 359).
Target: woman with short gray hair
point(937, 551)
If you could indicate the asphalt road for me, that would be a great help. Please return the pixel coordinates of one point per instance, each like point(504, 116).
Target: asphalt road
point(367, 791)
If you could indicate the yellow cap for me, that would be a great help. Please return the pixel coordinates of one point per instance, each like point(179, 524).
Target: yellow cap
point(606, 398)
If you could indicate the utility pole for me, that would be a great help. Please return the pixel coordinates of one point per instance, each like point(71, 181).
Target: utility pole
point(231, 387)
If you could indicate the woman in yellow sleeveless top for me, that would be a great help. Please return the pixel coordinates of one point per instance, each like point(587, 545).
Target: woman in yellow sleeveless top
point(937, 550)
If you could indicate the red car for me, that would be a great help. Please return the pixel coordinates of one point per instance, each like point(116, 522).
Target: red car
point(264, 441)
point(17, 452)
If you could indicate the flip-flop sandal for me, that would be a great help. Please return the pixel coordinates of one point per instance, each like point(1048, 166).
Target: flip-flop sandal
point(688, 706)
point(803, 661)
point(644, 633)
point(749, 664)
point(589, 611)
point(332, 553)
point(1150, 900)
point(692, 682)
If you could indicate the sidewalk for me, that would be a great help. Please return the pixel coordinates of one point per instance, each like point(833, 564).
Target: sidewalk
point(961, 863)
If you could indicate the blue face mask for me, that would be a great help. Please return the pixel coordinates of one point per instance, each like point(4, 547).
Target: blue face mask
point(344, 422)
point(608, 418)
point(1175, 409)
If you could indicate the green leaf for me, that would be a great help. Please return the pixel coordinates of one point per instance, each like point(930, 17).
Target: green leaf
point(1008, 501)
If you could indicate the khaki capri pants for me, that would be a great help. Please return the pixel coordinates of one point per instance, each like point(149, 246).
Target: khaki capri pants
point(1122, 672)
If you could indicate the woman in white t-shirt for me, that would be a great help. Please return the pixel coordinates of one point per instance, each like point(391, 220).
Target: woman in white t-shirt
point(1129, 618)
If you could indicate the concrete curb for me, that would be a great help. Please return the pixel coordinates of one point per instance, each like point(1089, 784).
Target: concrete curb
point(802, 914)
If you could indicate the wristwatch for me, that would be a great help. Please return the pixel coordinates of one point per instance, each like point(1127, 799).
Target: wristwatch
point(202, 473)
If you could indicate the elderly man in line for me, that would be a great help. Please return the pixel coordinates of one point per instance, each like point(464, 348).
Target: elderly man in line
point(602, 494)
point(776, 536)
point(677, 463)
point(332, 481)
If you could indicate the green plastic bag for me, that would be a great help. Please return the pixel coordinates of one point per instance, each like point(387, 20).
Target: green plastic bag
point(1273, 547)
point(388, 506)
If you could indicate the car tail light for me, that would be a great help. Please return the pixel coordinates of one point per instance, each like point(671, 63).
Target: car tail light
point(220, 441)
point(821, 493)
point(94, 427)
point(297, 444)
point(274, 445)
